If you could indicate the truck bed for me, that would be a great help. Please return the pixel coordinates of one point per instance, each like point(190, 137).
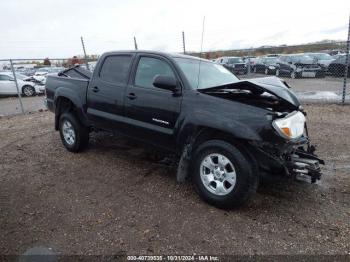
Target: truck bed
point(64, 85)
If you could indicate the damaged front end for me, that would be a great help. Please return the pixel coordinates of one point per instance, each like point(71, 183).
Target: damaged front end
point(285, 147)
point(294, 160)
point(293, 154)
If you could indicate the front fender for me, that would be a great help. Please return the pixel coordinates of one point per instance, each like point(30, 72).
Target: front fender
point(240, 131)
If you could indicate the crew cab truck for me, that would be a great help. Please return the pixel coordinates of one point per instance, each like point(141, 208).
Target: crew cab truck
point(226, 132)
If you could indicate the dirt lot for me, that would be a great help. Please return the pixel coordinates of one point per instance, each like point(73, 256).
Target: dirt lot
point(117, 197)
point(12, 106)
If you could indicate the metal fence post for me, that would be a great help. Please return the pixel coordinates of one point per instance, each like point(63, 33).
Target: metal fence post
point(249, 63)
point(183, 42)
point(135, 43)
point(18, 92)
point(346, 64)
point(86, 62)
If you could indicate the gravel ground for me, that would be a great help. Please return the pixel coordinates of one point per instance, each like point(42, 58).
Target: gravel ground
point(12, 106)
point(118, 197)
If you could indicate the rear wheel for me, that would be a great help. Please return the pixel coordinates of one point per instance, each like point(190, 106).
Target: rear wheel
point(73, 134)
point(28, 90)
point(223, 175)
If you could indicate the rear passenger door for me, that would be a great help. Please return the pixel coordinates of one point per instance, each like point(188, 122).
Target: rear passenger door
point(106, 91)
point(152, 111)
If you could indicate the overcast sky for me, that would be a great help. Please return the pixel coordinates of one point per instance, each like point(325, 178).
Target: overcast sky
point(46, 28)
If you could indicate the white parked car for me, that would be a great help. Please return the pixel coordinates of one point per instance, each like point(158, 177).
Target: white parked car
point(8, 85)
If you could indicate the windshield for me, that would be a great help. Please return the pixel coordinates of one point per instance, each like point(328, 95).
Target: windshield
point(321, 56)
point(234, 60)
point(20, 76)
point(270, 59)
point(210, 74)
point(298, 58)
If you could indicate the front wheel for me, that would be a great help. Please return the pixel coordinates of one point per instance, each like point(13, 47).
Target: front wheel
point(28, 90)
point(223, 175)
point(73, 134)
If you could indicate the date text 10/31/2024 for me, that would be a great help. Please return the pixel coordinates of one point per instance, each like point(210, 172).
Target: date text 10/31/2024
point(173, 258)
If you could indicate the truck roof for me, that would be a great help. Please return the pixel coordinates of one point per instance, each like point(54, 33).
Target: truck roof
point(172, 55)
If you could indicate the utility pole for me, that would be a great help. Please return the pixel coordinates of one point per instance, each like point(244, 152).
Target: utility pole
point(135, 43)
point(346, 64)
point(16, 83)
point(86, 62)
point(183, 42)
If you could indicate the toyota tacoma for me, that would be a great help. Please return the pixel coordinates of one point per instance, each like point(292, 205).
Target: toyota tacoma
point(226, 133)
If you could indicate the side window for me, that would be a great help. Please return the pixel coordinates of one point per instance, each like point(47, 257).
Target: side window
point(148, 68)
point(4, 78)
point(115, 69)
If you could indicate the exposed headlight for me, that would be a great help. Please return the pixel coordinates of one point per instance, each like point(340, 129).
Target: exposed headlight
point(291, 126)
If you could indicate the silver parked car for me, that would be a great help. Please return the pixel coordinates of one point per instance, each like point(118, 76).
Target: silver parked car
point(8, 85)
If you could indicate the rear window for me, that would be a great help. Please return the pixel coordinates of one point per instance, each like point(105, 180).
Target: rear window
point(115, 69)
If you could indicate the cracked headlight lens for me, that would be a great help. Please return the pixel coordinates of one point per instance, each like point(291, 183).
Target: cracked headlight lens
point(291, 126)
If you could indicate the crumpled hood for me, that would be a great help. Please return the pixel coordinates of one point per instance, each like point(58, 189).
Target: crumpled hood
point(272, 85)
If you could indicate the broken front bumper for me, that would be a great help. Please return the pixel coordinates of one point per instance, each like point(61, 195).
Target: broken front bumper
point(295, 159)
point(305, 165)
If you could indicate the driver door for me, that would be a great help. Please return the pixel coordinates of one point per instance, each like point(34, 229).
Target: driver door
point(152, 111)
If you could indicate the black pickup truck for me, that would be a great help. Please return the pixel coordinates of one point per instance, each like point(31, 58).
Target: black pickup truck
point(227, 133)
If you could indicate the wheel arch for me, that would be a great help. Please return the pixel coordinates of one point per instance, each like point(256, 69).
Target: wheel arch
point(204, 134)
point(62, 104)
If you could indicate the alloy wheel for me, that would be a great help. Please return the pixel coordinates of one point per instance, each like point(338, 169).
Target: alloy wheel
point(68, 132)
point(218, 174)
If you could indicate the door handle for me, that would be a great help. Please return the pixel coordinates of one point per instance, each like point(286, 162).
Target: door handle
point(131, 96)
point(95, 89)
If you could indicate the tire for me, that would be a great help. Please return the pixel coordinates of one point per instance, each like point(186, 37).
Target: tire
point(28, 90)
point(74, 135)
point(237, 181)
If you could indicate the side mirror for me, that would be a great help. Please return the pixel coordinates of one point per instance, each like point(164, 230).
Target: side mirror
point(165, 82)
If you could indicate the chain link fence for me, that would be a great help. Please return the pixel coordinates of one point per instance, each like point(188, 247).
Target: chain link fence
point(22, 82)
point(317, 72)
